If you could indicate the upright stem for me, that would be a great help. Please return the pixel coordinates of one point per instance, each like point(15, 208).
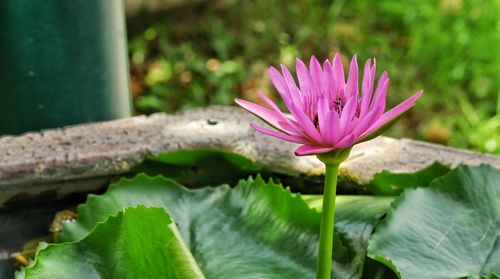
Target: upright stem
point(324, 267)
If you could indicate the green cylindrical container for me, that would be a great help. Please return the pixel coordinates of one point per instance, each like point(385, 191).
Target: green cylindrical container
point(62, 63)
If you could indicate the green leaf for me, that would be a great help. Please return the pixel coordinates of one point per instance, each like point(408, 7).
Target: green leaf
point(387, 183)
point(255, 230)
point(377, 270)
point(447, 230)
point(355, 217)
point(194, 157)
point(138, 243)
point(198, 168)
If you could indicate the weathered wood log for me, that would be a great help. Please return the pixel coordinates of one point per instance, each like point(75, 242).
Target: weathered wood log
point(84, 158)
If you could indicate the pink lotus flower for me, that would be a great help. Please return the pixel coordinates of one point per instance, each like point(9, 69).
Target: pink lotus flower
point(327, 113)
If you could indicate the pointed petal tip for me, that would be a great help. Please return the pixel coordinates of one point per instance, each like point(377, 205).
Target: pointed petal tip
point(260, 111)
point(384, 77)
point(246, 104)
point(271, 69)
point(374, 66)
point(256, 127)
point(413, 98)
point(284, 69)
point(261, 94)
point(314, 62)
point(354, 62)
point(368, 63)
point(298, 60)
point(238, 101)
point(280, 134)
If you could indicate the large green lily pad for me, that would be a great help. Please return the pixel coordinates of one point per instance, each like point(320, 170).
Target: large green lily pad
point(387, 183)
point(255, 230)
point(137, 243)
point(450, 229)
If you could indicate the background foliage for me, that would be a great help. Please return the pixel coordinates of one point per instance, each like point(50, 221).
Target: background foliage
point(214, 51)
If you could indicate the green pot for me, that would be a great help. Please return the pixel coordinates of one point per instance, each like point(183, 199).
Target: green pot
point(62, 63)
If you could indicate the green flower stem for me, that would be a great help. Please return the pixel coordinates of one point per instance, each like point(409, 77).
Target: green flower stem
point(324, 267)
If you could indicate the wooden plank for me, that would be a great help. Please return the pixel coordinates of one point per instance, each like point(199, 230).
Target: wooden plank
point(86, 157)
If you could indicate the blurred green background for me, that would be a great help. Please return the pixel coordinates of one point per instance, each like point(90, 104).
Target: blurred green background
point(213, 51)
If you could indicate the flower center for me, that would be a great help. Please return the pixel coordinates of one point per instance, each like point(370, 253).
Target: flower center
point(338, 105)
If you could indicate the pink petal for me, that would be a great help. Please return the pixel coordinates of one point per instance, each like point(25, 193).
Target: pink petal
point(381, 92)
point(352, 120)
point(292, 87)
point(269, 102)
point(394, 112)
point(279, 135)
point(351, 87)
point(367, 90)
point(285, 121)
point(365, 122)
point(338, 70)
point(329, 83)
point(346, 142)
point(316, 75)
point(379, 100)
point(305, 123)
point(311, 150)
point(347, 113)
point(323, 124)
point(305, 80)
point(278, 82)
point(263, 113)
point(333, 132)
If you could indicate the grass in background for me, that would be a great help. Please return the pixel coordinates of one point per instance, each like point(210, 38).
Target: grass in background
point(213, 52)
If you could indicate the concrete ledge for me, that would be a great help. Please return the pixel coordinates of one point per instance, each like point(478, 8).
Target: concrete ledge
point(86, 157)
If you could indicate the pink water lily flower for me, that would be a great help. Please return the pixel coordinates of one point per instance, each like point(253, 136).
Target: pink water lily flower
point(327, 113)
